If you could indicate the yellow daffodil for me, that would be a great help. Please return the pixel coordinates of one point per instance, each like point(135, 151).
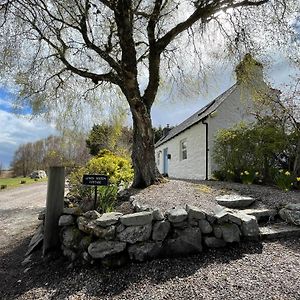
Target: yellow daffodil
point(298, 179)
point(287, 173)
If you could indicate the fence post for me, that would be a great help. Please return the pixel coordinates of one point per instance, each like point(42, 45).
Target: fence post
point(54, 207)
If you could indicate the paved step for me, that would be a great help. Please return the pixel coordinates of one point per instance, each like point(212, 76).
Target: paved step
point(279, 230)
point(261, 213)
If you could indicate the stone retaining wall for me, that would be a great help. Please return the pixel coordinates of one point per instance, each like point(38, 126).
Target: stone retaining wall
point(113, 238)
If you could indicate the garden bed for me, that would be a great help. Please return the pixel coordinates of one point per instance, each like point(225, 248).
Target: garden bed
point(202, 194)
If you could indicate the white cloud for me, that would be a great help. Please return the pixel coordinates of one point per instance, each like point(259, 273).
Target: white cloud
point(17, 130)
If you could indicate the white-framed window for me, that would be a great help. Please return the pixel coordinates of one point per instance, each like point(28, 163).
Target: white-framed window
point(183, 149)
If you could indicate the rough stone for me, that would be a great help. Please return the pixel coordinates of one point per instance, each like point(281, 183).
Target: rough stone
point(92, 215)
point(85, 242)
point(157, 214)
point(230, 233)
point(85, 225)
point(213, 242)
point(36, 240)
point(291, 213)
point(234, 217)
point(176, 215)
point(66, 220)
point(120, 228)
point(181, 225)
point(71, 237)
point(205, 227)
point(234, 201)
point(108, 219)
point(218, 232)
point(69, 253)
point(222, 217)
point(42, 215)
point(137, 219)
point(144, 251)
point(187, 241)
point(106, 233)
point(211, 218)
point(195, 212)
point(101, 249)
point(249, 225)
point(160, 230)
point(76, 211)
point(135, 234)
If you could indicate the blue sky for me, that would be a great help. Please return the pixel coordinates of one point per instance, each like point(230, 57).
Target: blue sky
point(20, 129)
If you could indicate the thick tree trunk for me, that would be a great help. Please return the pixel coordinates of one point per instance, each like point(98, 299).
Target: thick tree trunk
point(143, 154)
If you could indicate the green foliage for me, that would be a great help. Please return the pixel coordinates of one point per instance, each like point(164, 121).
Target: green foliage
point(118, 169)
point(246, 150)
point(284, 180)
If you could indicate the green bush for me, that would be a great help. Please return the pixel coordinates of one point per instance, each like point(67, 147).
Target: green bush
point(117, 168)
point(260, 148)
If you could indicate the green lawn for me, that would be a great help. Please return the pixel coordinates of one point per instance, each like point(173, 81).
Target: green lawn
point(16, 181)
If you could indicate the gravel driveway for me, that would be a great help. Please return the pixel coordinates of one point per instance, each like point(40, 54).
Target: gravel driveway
point(268, 270)
point(19, 209)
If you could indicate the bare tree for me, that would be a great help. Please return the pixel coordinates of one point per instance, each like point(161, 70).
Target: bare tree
point(91, 44)
point(1, 167)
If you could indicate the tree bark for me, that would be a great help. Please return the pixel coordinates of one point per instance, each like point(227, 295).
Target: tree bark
point(143, 151)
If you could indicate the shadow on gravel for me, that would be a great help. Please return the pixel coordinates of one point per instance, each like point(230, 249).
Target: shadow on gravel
point(53, 278)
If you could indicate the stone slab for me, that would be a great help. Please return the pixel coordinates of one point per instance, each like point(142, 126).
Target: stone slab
point(235, 201)
point(260, 213)
point(280, 230)
point(137, 219)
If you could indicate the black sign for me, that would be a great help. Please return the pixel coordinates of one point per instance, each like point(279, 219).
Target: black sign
point(95, 180)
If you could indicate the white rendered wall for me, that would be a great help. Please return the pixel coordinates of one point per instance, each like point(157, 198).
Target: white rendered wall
point(235, 109)
point(194, 166)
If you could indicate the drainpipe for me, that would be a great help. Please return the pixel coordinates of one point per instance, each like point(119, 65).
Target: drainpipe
point(206, 148)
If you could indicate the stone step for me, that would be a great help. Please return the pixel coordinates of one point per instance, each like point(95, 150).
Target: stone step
point(279, 230)
point(261, 213)
point(235, 201)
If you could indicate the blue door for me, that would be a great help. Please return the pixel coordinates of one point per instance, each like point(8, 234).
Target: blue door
point(165, 156)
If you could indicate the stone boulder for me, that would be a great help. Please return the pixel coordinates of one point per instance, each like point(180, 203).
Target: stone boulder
point(137, 219)
point(108, 219)
point(101, 249)
point(71, 237)
point(205, 226)
point(92, 215)
point(160, 230)
point(66, 220)
point(234, 201)
point(144, 251)
point(85, 225)
point(176, 215)
point(187, 241)
point(230, 233)
point(249, 225)
point(106, 233)
point(213, 242)
point(291, 213)
point(195, 213)
point(133, 234)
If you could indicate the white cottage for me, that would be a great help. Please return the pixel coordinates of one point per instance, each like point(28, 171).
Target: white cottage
point(186, 151)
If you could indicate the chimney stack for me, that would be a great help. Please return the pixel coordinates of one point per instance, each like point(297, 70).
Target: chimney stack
point(166, 130)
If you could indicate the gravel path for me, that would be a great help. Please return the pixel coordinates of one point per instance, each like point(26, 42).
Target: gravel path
point(202, 194)
point(249, 271)
point(19, 208)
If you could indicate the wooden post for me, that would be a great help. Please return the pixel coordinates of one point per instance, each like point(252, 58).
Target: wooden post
point(54, 207)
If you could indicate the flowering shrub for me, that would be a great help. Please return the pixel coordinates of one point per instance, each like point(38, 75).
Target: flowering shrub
point(284, 180)
point(117, 168)
point(248, 177)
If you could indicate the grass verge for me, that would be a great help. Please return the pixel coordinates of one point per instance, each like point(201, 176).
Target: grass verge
point(16, 182)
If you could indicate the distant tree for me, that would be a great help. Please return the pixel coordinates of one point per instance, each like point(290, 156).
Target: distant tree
point(108, 136)
point(68, 150)
point(1, 167)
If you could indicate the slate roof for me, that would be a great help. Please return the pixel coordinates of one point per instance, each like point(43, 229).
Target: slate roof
point(197, 117)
